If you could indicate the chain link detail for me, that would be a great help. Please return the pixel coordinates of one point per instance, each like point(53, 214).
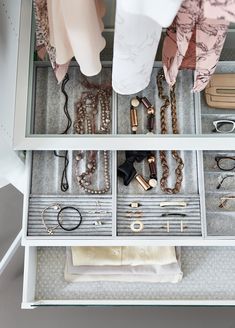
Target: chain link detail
point(164, 130)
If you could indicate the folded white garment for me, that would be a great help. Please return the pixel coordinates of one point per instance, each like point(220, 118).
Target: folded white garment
point(143, 273)
point(160, 255)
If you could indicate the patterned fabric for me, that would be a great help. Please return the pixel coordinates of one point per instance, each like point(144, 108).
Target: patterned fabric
point(210, 37)
point(43, 40)
point(220, 9)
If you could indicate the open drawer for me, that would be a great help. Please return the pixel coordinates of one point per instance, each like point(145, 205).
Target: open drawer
point(209, 279)
point(107, 218)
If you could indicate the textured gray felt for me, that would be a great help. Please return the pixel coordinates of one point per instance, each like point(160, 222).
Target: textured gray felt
point(49, 116)
point(47, 170)
point(45, 190)
point(190, 180)
point(88, 210)
point(184, 104)
point(151, 216)
point(220, 221)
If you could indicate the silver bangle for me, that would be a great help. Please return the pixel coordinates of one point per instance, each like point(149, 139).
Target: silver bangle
point(50, 230)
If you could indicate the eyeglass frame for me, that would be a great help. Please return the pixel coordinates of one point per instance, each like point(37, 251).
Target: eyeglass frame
point(218, 158)
point(223, 178)
point(224, 200)
point(215, 123)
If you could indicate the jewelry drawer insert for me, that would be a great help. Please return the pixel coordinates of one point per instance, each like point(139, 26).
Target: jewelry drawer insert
point(84, 196)
point(89, 106)
point(111, 195)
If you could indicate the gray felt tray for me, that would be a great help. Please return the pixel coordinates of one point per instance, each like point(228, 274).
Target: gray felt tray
point(45, 190)
point(48, 116)
point(208, 275)
point(151, 216)
point(184, 103)
point(190, 180)
point(220, 221)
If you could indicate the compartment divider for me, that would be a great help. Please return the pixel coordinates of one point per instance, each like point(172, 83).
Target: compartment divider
point(201, 189)
point(114, 194)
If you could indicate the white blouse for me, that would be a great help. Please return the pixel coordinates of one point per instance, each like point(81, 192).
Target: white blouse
point(138, 27)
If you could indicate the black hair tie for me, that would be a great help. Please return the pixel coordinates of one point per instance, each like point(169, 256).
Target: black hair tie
point(59, 216)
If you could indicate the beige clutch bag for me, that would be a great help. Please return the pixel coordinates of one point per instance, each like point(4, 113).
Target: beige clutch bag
point(220, 92)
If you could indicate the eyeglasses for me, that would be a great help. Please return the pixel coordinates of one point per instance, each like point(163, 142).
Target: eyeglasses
point(227, 177)
point(227, 202)
point(225, 163)
point(224, 126)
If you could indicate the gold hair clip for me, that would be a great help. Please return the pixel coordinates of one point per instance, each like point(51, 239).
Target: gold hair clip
point(173, 204)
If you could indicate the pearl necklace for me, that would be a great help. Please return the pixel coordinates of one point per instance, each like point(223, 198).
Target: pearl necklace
point(87, 114)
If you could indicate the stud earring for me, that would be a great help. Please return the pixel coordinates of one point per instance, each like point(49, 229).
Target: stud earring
point(167, 227)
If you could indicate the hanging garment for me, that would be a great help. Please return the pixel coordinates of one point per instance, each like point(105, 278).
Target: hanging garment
point(163, 12)
point(70, 28)
point(223, 9)
point(123, 255)
point(136, 41)
point(43, 39)
point(75, 30)
point(138, 27)
point(210, 37)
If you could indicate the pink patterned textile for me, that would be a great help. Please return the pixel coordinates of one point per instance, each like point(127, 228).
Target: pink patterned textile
point(43, 41)
point(220, 9)
point(209, 41)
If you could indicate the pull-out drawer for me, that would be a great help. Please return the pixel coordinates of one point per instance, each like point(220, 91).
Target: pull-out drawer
point(108, 218)
point(194, 216)
point(209, 279)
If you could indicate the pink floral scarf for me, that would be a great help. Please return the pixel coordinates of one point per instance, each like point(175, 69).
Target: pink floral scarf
point(193, 41)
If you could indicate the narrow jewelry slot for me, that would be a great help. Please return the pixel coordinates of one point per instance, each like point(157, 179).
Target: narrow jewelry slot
point(114, 195)
point(219, 178)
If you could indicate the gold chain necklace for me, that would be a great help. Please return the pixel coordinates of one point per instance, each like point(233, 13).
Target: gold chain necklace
point(88, 112)
point(175, 154)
